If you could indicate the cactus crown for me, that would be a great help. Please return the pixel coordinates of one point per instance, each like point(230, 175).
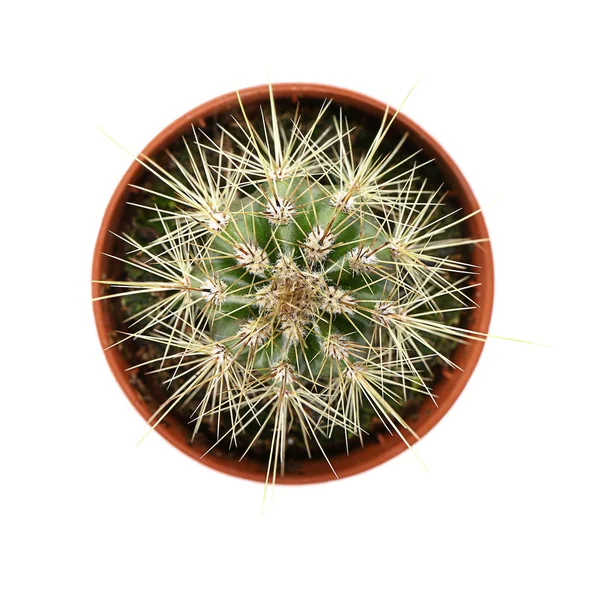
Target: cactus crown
point(297, 280)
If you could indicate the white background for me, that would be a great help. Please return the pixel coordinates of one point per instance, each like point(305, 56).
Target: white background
point(511, 496)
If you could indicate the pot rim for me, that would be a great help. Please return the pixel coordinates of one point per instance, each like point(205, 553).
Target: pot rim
point(447, 389)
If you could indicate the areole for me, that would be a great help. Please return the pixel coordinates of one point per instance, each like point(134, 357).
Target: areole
point(447, 389)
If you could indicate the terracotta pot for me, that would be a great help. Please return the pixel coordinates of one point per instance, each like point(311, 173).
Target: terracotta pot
point(382, 447)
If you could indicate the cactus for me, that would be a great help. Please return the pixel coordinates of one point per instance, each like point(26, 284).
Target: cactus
point(298, 281)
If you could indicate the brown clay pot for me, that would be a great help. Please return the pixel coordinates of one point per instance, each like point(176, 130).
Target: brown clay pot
point(380, 448)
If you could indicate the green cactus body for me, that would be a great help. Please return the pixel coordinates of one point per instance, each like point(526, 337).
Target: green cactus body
point(291, 291)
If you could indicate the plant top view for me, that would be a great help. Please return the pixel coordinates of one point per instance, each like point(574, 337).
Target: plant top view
point(293, 282)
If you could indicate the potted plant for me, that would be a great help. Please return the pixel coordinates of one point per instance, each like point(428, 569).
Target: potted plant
point(294, 275)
